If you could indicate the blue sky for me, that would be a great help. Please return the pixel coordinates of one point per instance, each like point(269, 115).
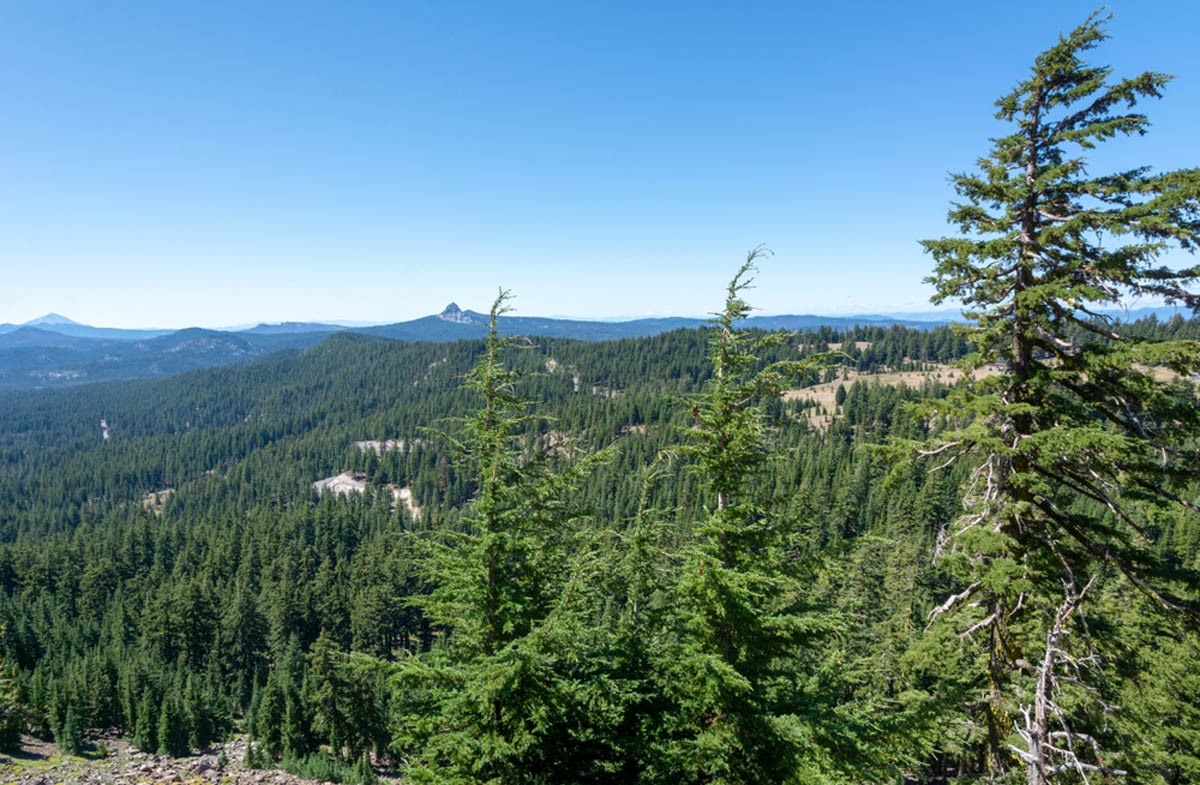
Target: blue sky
point(171, 164)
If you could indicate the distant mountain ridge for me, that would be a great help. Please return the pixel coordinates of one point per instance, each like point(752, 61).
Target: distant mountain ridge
point(283, 328)
point(25, 335)
point(57, 323)
point(54, 350)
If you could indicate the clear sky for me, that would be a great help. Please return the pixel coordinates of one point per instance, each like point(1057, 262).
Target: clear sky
point(215, 163)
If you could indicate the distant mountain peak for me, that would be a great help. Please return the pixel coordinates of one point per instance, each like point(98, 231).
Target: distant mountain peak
point(53, 318)
point(452, 313)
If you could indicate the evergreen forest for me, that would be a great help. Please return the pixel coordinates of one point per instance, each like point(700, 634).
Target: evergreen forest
point(717, 555)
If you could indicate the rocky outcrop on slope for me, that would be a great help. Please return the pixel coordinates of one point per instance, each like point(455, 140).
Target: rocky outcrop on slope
point(40, 763)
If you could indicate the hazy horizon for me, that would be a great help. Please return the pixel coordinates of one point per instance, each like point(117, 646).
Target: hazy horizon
point(926, 315)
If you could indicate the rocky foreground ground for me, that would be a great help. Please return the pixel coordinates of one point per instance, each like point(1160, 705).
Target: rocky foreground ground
point(40, 763)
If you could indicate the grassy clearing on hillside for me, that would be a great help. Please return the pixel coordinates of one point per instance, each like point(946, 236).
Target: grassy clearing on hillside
point(824, 394)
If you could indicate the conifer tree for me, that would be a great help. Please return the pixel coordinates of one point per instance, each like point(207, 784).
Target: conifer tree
point(295, 737)
point(1079, 436)
point(146, 728)
point(12, 714)
point(243, 638)
point(485, 705)
point(172, 729)
point(68, 737)
point(199, 715)
point(267, 720)
point(748, 712)
point(342, 701)
point(632, 658)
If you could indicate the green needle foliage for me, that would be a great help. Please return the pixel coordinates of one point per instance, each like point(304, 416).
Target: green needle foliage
point(12, 714)
point(750, 628)
point(488, 702)
point(1077, 440)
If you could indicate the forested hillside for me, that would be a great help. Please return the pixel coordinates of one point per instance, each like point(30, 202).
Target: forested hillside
point(61, 354)
point(717, 555)
point(114, 597)
point(181, 579)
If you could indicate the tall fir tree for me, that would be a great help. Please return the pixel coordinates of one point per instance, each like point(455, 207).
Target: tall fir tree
point(751, 707)
point(146, 728)
point(69, 736)
point(1080, 435)
point(172, 728)
point(12, 712)
point(325, 692)
point(487, 703)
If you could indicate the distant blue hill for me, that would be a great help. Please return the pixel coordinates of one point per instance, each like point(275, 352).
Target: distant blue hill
point(56, 323)
point(289, 328)
point(59, 351)
point(1162, 313)
point(55, 350)
point(33, 357)
point(455, 324)
point(36, 337)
